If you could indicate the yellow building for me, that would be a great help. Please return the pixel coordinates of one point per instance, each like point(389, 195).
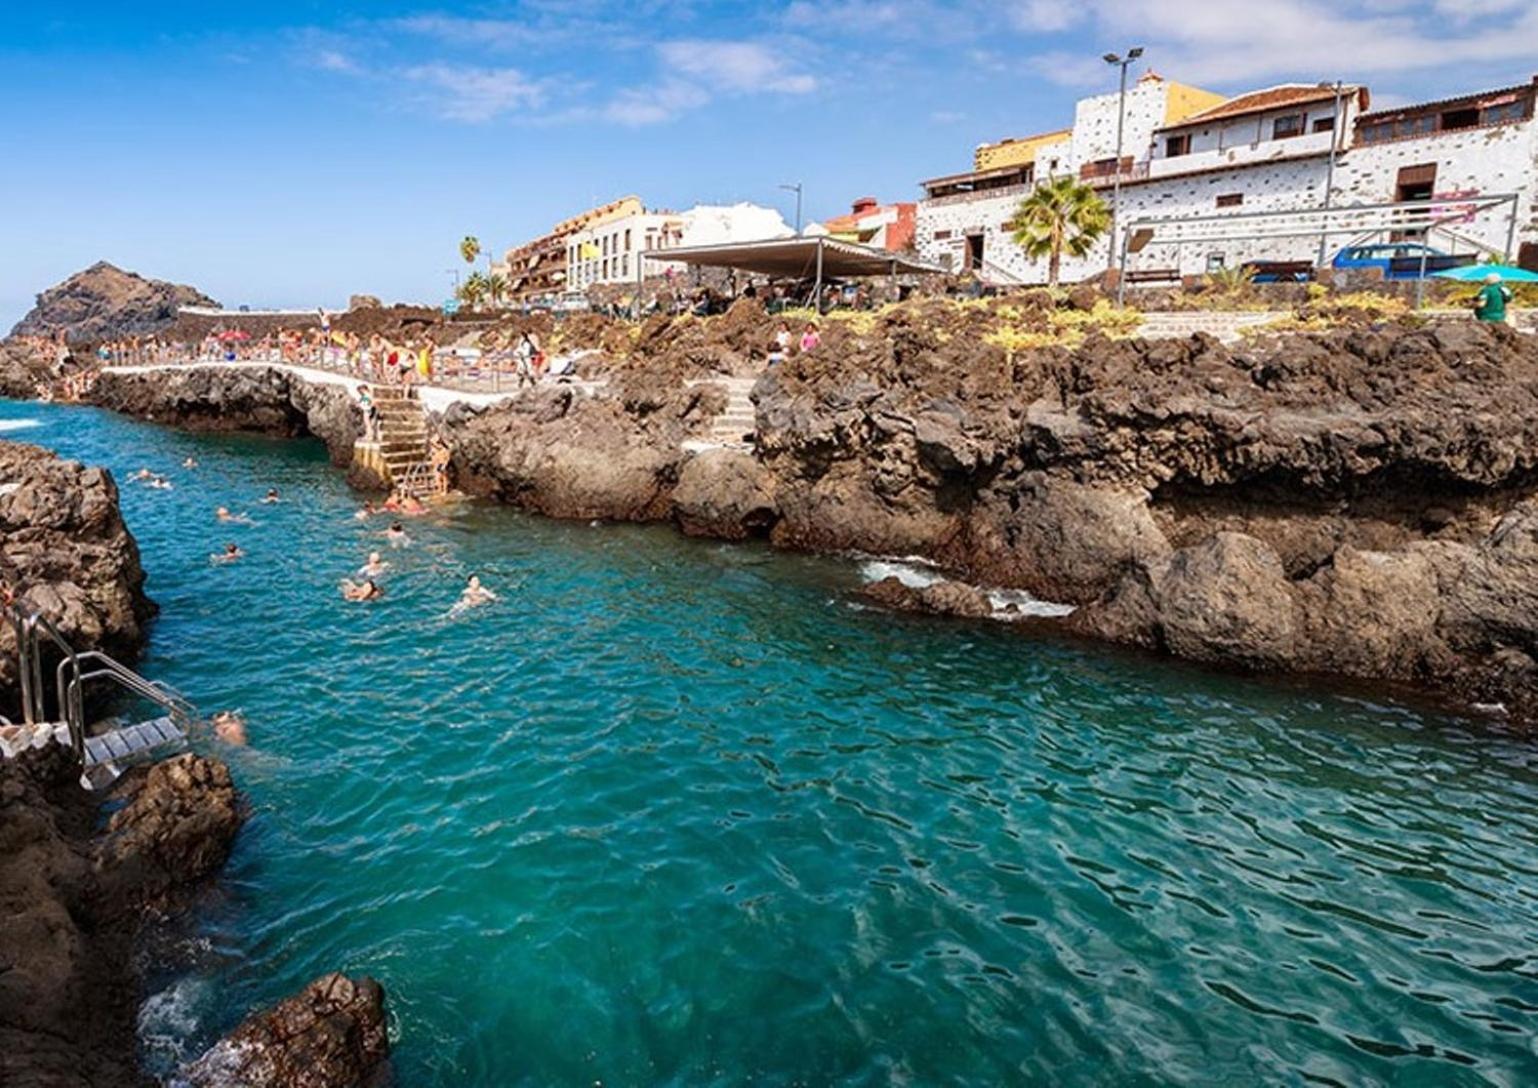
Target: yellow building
point(1015, 152)
point(1180, 101)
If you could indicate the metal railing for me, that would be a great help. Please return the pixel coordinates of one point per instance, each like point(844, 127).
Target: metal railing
point(492, 372)
point(71, 677)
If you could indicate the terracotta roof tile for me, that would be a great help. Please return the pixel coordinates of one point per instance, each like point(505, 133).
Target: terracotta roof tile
point(1272, 98)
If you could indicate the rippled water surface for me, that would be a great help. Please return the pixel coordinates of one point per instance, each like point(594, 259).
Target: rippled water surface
point(675, 812)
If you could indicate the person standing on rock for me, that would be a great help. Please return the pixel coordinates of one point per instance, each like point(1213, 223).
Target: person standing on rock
point(370, 415)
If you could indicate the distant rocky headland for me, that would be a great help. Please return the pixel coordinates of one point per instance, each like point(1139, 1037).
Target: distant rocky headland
point(103, 302)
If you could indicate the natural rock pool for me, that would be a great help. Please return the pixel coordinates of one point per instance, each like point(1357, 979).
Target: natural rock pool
point(677, 812)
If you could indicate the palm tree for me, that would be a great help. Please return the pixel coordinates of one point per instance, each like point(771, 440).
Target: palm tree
point(473, 290)
point(1061, 215)
point(470, 248)
point(496, 287)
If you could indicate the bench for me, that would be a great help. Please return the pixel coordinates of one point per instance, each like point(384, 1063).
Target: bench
point(1154, 275)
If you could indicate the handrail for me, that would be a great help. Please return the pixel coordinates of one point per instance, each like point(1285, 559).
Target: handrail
point(162, 695)
point(74, 716)
point(23, 664)
point(70, 679)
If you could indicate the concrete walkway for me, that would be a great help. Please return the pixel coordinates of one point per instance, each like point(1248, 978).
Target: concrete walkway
point(434, 398)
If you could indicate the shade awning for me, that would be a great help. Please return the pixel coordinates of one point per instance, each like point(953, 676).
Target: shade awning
point(796, 257)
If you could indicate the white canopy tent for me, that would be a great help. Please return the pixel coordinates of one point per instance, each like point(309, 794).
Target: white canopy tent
point(802, 257)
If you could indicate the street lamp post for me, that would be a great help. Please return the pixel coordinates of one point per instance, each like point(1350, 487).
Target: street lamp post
point(1329, 176)
point(796, 188)
point(1121, 125)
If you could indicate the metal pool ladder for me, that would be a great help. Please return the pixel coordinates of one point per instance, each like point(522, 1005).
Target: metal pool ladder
point(99, 755)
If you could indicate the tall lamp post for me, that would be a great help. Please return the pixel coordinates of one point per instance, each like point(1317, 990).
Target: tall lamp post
point(1121, 125)
point(796, 188)
point(1329, 176)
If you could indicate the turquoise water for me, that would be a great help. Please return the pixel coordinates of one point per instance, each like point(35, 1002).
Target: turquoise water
point(676, 812)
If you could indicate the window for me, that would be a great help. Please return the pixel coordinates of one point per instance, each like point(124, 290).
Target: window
point(942, 235)
point(1175, 146)
point(627, 239)
point(1464, 118)
point(624, 263)
point(1214, 263)
point(1285, 127)
point(1230, 200)
point(1323, 124)
point(1503, 113)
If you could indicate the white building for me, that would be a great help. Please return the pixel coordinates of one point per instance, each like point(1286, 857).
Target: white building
point(1266, 151)
point(609, 252)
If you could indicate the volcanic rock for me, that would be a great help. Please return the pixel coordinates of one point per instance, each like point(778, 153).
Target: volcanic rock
point(941, 598)
point(64, 551)
point(177, 827)
point(105, 303)
point(331, 1034)
point(725, 494)
point(259, 399)
point(564, 454)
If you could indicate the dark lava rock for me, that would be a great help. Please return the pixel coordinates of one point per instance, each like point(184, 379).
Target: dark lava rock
point(65, 551)
point(263, 400)
point(942, 598)
point(105, 303)
point(177, 827)
point(329, 1035)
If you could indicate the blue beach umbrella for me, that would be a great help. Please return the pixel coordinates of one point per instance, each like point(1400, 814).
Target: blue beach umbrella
point(1475, 273)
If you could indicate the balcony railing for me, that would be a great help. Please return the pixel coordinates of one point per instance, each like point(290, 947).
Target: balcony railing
point(978, 194)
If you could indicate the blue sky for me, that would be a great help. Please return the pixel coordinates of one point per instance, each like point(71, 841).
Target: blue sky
point(294, 152)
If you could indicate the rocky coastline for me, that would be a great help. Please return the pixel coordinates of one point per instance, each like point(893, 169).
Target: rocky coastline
point(1358, 502)
point(1355, 503)
point(76, 891)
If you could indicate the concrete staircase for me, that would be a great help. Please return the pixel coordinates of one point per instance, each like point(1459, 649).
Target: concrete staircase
point(1225, 326)
point(734, 427)
point(403, 440)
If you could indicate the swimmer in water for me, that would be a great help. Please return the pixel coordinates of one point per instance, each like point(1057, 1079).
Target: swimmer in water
point(191, 462)
point(412, 506)
point(475, 594)
point(397, 536)
point(271, 496)
point(231, 553)
point(142, 474)
point(365, 590)
point(159, 483)
point(368, 511)
point(223, 514)
point(230, 727)
point(374, 567)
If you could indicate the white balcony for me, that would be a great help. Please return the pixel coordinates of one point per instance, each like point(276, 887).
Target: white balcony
point(1292, 147)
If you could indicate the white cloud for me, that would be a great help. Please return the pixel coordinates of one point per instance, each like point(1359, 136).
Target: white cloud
point(334, 60)
point(654, 105)
point(487, 33)
point(1249, 44)
point(463, 93)
point(1045, 15)
point(742, 67)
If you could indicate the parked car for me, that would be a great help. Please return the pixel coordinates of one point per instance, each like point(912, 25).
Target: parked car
point(1401, 260)
point(1280, 271)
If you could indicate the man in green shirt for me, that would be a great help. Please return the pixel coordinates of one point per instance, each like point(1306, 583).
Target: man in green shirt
point(1490, 303)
